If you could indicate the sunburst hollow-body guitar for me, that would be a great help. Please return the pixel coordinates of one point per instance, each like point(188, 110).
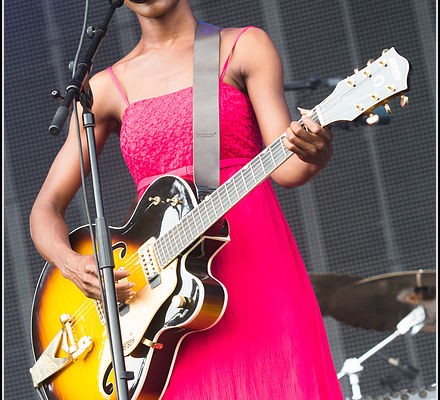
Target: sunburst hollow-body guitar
point(167, 246)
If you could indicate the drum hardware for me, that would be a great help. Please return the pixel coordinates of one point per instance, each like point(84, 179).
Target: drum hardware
point(412, 323)
point(429, 393)
point(378, 302)
point(401, 302)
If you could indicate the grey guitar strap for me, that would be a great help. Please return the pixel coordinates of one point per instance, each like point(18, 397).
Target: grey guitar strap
point(206, 126)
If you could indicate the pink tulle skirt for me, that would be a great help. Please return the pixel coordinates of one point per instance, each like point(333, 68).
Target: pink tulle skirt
point(271, 342)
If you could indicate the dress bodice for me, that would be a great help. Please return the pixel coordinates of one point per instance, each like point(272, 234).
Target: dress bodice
point(156, 134)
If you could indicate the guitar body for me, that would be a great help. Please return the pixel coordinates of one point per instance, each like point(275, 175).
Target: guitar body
point(185, 298)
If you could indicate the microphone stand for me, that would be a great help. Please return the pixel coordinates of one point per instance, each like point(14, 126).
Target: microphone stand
point(79, 89)
point(311, 83)
point(413, 322)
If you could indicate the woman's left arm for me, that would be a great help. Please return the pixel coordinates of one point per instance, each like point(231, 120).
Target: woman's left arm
point(262, 72)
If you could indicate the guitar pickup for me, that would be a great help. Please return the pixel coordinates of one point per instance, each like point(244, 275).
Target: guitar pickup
point(149, 263)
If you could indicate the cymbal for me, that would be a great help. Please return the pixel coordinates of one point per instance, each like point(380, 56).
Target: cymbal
point(379, 302)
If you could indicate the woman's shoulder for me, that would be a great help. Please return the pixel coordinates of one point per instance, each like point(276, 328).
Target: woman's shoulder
point(248, 42)
point(107, 99)
point(249, 33)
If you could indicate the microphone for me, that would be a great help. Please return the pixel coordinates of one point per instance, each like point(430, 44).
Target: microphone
point(332, 81)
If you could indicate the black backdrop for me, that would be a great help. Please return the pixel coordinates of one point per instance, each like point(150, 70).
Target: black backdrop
point(371, 212)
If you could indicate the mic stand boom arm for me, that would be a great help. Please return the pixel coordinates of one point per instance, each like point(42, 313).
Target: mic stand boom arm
point(82, 72)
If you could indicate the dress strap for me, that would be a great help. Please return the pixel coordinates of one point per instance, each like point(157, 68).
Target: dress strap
point(232, 49)
point(118, 86)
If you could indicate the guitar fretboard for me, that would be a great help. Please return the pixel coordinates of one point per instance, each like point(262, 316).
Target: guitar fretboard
point(214, 206)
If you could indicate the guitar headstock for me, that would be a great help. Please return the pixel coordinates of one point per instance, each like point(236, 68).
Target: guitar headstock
point(368, 88)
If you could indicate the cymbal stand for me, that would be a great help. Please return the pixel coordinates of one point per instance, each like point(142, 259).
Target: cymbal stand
point(412, 323)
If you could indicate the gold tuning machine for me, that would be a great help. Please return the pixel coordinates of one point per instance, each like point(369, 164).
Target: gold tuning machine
point(175, 201)
point(387, 108)
point(370, 61)
point(372, 119)
point(156, 200)
point(403, 100)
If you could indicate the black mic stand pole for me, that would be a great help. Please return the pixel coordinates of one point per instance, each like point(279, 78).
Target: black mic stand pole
point(79, 89)
point(311, 83)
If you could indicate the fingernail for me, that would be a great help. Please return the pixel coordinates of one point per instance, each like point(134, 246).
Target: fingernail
point(302, 110)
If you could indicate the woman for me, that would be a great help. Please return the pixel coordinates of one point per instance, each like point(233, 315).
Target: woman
point(270, 343)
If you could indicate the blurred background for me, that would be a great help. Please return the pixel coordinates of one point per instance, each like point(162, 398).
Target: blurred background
point(370, 214)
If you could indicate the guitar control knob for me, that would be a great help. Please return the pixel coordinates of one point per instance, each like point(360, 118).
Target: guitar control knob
point(180, 301)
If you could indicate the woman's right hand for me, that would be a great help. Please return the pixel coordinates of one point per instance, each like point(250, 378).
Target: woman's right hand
point(82, 271)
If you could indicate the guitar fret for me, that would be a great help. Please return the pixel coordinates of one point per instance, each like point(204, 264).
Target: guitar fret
point(248, 171)
point(203, 205)
point(216, 197)
point(159, 251)
point(225, 190)
point(244, 180)
point(259, 172)
point(249, 168)
point(210, 203)
point(179, 236)
point(193, 214)
point(167, 251)
point(230, 194)
point(272, 157)
point(184, 230)
point(262, 165)
point(239, 186)
point(234, 181)
point(173, 241)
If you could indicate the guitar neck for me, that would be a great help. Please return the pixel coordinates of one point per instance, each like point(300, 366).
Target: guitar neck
point(215, 206)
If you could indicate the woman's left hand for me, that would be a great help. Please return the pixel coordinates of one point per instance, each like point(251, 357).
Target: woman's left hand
point(312, 145)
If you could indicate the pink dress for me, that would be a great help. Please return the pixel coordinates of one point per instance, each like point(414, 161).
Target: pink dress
point(271, 342)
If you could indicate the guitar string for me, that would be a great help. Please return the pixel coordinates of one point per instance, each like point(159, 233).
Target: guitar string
point(132, 264)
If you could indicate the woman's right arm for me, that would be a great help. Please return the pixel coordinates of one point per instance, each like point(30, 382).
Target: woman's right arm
point(48, 228)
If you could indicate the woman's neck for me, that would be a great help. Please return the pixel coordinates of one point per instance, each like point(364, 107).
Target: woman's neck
point(176, 26)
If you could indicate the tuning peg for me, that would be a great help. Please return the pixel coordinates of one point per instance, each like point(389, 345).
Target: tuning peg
point(384, 51)
point(372, 119)
point(370, 61)
point(403, 100)
point(387, 108)
point(356, 70)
